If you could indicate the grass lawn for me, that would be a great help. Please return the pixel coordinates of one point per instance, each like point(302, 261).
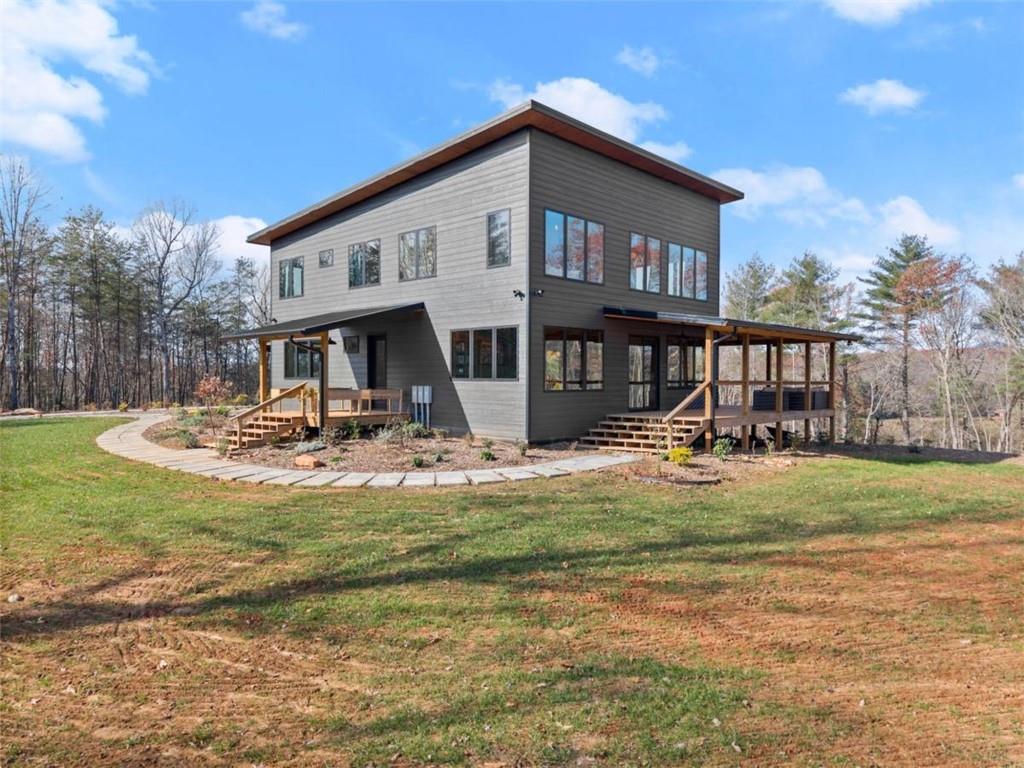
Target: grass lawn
point(841, 612)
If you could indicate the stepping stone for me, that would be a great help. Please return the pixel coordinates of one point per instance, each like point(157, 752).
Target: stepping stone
point(483, 476)
point(387, 480)
point(290, 478)
point(194, 467)
point(546, 470)
point(262, 477)
point(225, 466)
point(320, 478)
point(517, 474)
point(418, 479)
point(240, 471)
point(354, 480)
point(451, 478)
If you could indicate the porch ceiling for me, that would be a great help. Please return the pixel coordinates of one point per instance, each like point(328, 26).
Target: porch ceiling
point(766, 331)
point(317, 324)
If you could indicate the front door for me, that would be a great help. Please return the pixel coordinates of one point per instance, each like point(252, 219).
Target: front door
point(643, 373)
point(377, 362)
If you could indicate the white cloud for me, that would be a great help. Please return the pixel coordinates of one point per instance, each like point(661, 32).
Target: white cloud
point(874, 12)
point(38, 106)
point(587, 101)
point(234, 229)
point(903, 215)
point(676, 152)
point(883, 96)
point(785, 188)
point(270, 18)
point(1018, 180)
point(643, 60)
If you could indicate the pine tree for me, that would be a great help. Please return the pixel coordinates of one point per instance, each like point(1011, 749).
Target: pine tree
point(890, 316)
point(807, 295)
point(747, 288)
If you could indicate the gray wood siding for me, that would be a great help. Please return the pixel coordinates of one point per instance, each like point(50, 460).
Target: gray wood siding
point(573, 180)
point(464, 294)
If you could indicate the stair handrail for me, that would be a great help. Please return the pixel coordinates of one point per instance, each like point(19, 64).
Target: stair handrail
point(242, 418)
point(672, 415)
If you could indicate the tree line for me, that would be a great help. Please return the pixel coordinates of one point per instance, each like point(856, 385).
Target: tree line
point(96, 316)
point(942, 357)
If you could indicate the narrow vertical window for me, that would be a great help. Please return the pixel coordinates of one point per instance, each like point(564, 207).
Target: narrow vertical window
point(653, 265)
point(573, 359)
point(483, 354)
point(594, 354)
point(554, 355)
point(554, 243)
point(702, 276)
point(417, 254)
point(460, 354)
point(674, 362)
point(407, 256)
point(595, 252)
point(675, 269)
point(289, 278)
point(689, 270)
point(576, 244)
point(364, 264)
point(506, 353)
point(499, 242)
point(637, 261)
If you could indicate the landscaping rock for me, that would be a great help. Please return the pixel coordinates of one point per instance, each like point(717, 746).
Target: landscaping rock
point(14, 597)
point(308, 461)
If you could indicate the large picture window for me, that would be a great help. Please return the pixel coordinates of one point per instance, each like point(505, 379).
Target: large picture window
point(644, 263)
point(573, 247)
point(573, 359)
point(499, 239)
point(364, 264)
point(417, 254)
point(685, 362)
point(301, 363)
point(485, 353)
point(290, 273)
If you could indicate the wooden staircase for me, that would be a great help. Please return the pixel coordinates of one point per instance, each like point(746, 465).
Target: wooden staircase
point(255, 426)
point(643, 433)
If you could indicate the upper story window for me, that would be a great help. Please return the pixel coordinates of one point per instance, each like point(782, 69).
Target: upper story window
point(644, 263)
point(485, 353)
point(301, 363)
point(573, 359)
point(417, 254)
point(326, 258)
point(499, 238)
point(573, 247)
point(364, 264)
point(290, 282)
point(687, 272)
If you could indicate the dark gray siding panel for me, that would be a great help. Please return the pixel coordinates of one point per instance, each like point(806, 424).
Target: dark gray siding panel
point(568, 178)
point(464, 294)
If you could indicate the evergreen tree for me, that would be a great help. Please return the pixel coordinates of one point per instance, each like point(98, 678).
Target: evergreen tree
point(747, 288)
point(808, 295)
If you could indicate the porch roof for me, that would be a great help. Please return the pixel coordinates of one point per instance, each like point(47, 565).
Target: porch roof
point(768, 331)
point(316, 324)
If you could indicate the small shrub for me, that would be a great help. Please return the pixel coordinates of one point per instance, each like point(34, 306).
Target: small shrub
point(680, 456)
point(413, 429)
point(222, 446)
point(181, 413)
point(439, 434)
point(769, 445)
point(353, 429)
point(487, 455)
point(522, 448)
point(469, 438)
point(722, 448)
point(663, 455)
point(333, 436)
point(210, 390)
point(273, 439)
point(309, 446)
point(336, 459)
point(90, 407)
point(122, 406)
point(241, 399)
point(172, 405)
point(417, 461)
point(487, 444)
point(223, 410)
point(439, 457)
point(188, 438)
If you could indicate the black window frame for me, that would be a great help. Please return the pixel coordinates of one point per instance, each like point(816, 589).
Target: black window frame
point(647, 262)
point(350, 344)
point(294, 357)
point(419, 253)
point(471, 366)
point(352, 253)
point(689, 347)
point(587, 336)
point(490, 244)
point(321, 264)
point(285, 267)
point(587, 223)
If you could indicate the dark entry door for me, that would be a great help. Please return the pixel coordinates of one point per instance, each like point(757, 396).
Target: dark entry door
point(377, 362)
point(643, 373)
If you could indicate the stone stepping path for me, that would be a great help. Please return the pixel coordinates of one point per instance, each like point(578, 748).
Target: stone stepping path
point(127, 441)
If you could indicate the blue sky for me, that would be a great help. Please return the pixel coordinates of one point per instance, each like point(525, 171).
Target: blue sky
point(845, 122)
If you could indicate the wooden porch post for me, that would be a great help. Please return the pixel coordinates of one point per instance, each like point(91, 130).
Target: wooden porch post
point(325, 345)
point(709, 393)
point(264, 393)
point(832, 391)
point(745, 391)
point(807, 391)
point(778, 394)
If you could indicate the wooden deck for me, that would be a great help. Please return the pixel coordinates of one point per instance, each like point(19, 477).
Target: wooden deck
point(338, 418)
point(732, 415)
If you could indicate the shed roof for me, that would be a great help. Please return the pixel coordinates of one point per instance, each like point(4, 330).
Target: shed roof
point(790, 333)
point(314, 324)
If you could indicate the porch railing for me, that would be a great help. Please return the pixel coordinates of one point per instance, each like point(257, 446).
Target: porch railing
point(249, 414)
point(670, 418)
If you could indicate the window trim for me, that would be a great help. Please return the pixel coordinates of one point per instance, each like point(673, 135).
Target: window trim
point(417, 232)
point(364, 284)
point(281, 283)
point(565, 247)
point(471, 363)
point(647, 263)
point(583, 359)
point(487, 234)
point(311, 342)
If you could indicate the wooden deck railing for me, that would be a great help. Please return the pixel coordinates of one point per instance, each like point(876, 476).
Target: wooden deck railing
point(671, 416)
point(247, 415)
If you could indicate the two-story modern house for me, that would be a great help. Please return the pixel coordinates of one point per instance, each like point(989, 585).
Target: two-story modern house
point(540, 275)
